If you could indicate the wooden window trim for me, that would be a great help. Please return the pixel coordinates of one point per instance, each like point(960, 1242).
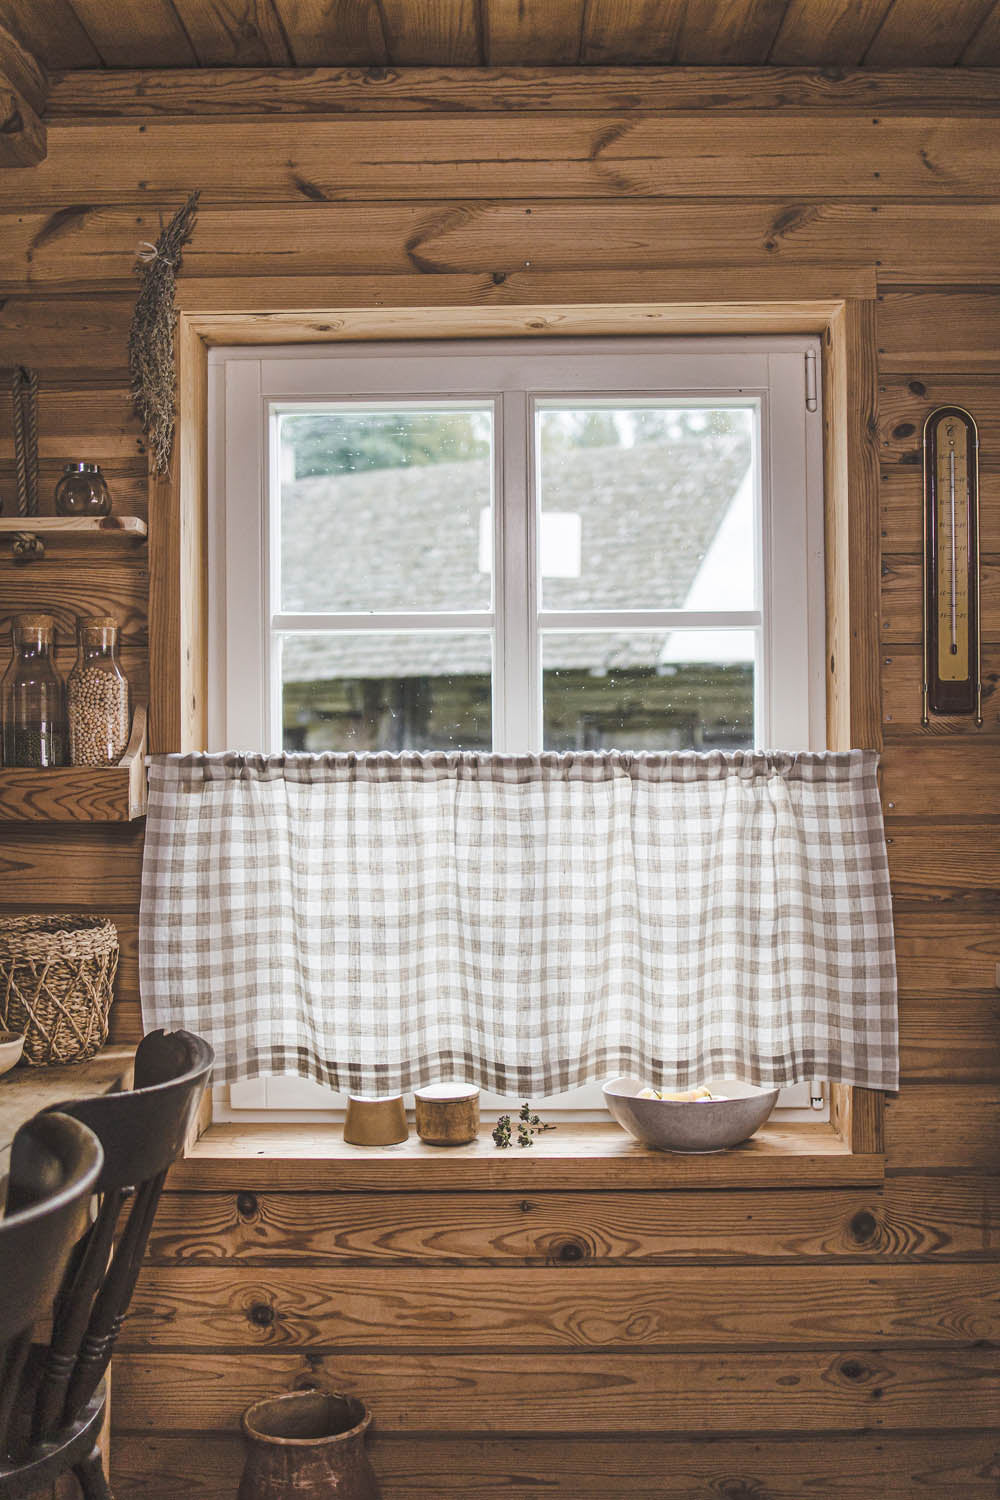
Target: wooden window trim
point(310, 310)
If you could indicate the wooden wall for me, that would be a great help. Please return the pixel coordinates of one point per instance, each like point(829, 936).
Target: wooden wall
point(765, 1344)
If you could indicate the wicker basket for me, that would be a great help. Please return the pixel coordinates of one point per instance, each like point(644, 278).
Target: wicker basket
point(56, 981)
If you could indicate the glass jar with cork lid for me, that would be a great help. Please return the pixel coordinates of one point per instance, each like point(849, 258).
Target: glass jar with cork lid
point(98, 696)
point(33, 699)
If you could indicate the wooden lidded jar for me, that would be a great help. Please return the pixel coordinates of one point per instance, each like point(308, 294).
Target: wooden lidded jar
point(307, 1445)
point(447, 1113)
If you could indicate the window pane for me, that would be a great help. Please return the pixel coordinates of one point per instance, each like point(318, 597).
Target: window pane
point(654, 690)
point(647, 507)
point(371, 690)
point(380, 510)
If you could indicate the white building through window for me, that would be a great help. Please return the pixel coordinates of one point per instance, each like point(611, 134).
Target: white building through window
point(515, 545)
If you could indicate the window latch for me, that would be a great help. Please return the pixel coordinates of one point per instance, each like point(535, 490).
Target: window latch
point(811, 385)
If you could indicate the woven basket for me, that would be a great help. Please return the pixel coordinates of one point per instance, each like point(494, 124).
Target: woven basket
point(56, 980)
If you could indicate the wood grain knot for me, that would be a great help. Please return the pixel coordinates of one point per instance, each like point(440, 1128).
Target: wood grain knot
point(570, 1251)
point(246, 1205)
point(743, 1489)
point(853, 1369)
point(863, 1226)
point(262, 1314)
point(904, 430)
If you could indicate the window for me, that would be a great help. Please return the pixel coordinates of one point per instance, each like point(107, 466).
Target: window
point(516, 545)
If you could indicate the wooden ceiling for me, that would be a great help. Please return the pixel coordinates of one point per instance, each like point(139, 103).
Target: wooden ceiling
point(884, 34)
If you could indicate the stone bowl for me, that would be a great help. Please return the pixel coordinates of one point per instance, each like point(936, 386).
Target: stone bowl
point(11, 1047)
point(695, 1126)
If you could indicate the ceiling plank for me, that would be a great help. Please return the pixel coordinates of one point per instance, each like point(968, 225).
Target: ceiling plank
point(208, 93)
point(916, 34)
point(328, 33)
point(23, 89)
point(440, 33)
point(52, 33)
point(234, 33)
point(631, 31)
point(720, 32)
point(983, 50)
point(534, 33)
point(834, 33)
point(129, 36)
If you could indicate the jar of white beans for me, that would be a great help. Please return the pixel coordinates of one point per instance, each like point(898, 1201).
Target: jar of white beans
point(97, 696)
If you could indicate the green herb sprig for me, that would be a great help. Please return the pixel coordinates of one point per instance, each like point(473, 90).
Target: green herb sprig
point(528, 1126)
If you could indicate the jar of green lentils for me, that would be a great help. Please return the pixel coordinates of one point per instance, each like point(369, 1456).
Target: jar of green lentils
point(98, 696)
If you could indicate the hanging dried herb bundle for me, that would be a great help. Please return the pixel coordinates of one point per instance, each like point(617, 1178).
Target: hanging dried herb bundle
point(151, 336)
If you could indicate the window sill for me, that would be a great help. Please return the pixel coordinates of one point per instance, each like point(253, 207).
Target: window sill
point(581, 1156)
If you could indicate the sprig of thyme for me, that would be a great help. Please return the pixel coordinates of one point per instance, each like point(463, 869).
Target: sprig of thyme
point(528, 1126)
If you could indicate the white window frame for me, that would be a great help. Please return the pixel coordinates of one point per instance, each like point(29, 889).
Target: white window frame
point(249, 386)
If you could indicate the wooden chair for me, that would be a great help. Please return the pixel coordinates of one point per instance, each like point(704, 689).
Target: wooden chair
point(142, 1131)
point(54, 1165)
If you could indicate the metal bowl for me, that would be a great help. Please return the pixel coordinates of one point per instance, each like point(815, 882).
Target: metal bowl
point(698, 1125)
point(11, 1047)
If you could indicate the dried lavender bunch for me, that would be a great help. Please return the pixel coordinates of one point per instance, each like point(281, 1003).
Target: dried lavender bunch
point(151, 336)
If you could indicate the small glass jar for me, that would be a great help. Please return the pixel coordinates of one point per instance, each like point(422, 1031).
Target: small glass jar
point(82, 491)
point(98, 697)
point(34, 700)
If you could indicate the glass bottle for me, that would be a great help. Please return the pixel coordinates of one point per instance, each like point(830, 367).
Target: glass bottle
point(82, 491)
point(34, 701)
point(98, 697)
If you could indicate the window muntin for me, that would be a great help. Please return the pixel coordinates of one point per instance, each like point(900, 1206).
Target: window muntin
point(390, 509)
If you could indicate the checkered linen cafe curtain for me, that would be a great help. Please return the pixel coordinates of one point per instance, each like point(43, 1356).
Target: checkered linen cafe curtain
point(528, 923)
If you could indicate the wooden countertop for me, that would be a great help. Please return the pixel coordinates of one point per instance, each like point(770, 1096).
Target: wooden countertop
point(25, 1091)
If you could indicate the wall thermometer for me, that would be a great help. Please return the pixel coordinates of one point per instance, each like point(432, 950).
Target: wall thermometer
point(951, 564)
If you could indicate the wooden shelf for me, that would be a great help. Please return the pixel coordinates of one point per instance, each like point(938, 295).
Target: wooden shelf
point(79, 794)
point(51, 529)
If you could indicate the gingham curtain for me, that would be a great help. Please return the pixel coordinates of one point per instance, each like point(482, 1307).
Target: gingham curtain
point(527, 923)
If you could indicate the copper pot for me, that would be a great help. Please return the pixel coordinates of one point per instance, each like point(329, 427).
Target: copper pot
point(307, 1445)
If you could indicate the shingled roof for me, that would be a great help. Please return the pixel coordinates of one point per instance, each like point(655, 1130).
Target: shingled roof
point(409, 539)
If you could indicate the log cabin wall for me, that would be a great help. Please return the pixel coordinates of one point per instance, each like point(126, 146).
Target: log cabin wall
point(770, 1343)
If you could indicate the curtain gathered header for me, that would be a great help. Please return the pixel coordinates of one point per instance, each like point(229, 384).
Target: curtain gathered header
point(529, 923)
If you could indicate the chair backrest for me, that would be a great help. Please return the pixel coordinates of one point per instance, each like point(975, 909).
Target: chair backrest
point(54, 1167)
point(142, 1131)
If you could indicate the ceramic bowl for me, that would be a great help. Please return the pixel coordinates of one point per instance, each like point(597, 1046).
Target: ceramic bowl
point(11, 1047)
point(699, 1125)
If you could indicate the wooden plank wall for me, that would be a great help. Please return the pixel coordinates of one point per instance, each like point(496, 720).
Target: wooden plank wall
point(774, 1344)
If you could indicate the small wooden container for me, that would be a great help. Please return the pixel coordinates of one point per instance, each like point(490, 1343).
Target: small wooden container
point(447, 1113)
point(376, 1122)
